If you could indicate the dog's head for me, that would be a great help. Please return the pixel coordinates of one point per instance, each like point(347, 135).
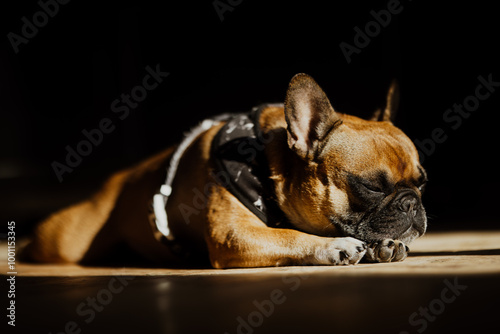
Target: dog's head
point(349, 176)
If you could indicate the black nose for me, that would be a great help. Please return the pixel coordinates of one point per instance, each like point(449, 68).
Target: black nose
point(408, 202)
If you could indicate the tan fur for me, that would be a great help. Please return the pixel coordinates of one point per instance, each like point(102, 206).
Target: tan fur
point(70, 235)
point(222, 226)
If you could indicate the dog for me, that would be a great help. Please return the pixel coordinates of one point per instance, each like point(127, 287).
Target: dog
point(287, 184)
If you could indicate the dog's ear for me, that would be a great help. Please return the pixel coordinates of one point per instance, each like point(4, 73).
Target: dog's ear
point(309, 116)
point(391, 106)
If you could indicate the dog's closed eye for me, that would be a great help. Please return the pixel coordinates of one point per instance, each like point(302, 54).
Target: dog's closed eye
point(372, 187)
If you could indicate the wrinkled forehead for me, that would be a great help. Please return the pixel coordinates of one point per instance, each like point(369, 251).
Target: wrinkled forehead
point(380, 147)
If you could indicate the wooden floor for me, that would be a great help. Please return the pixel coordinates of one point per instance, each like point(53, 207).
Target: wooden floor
point(448, 284)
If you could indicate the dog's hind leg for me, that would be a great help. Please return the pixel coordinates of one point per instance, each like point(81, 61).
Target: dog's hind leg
point(69, 234)
point(66, 235)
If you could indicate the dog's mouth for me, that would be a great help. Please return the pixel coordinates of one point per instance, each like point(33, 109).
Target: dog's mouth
point(375, 228)
point(412, 233)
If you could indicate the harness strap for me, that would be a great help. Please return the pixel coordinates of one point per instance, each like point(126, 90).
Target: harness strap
point(238, 152)
point(159, 217)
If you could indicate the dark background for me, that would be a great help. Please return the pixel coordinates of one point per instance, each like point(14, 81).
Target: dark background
point(65, 78)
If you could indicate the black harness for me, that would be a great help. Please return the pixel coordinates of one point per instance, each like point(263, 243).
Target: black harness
point(241, 165)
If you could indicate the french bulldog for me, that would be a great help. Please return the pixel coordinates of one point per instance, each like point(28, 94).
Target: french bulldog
point(322, 188)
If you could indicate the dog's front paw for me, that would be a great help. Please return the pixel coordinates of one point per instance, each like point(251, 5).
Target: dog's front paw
point(387, 250)
point(341, 251)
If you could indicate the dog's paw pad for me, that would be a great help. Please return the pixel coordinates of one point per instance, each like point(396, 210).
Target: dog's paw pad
point(387, 250)
point(342, 251)
point(343, 256)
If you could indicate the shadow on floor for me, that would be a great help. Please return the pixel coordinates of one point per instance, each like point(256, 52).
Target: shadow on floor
point(451, 253)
